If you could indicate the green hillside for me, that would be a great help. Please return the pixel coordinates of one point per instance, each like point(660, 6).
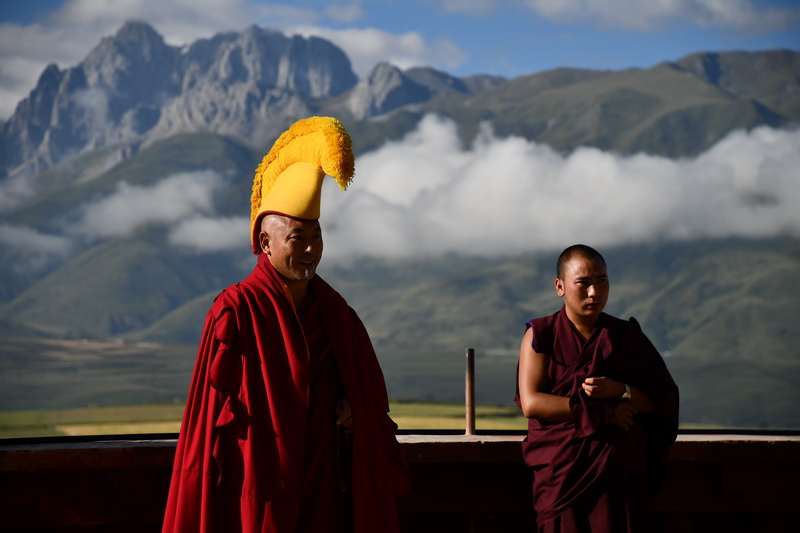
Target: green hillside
point(672, 109)
point(183, 324)
point(720, 311)
point(769, 77)
point(118, 286)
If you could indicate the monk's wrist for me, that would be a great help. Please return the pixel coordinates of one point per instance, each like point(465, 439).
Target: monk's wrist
point(626, 392)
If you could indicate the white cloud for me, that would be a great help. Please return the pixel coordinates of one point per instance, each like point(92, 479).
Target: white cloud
point(639, 15)
point(181, 203)
point(367, 46)
point(209, 234)
point(509, 195)
point(26, 251)
point(25, 240)
point(172, 199)
point(345, 12)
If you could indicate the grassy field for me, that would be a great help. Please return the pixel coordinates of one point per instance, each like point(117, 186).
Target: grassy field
point(166, 418)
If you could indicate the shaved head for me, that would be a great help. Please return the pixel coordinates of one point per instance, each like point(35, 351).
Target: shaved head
point(272, 222)
point(577, 250)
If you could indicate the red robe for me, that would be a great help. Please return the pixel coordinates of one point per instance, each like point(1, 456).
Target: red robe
point(587, 474)
point(254, 449)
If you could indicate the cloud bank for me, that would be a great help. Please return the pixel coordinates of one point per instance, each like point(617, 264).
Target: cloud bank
point(26, 250)
point(427, 195)
point(181, 204)
point(26, 240)
point(169, 201)
point(210, 234)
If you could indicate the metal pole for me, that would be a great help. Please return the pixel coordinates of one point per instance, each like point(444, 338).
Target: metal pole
point(469, 393)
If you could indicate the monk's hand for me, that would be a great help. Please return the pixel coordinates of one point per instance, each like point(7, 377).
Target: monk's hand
point(344, 415)
point(602, 388)
point(622, 415)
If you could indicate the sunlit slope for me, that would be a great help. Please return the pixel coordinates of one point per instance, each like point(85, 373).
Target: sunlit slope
point(183, 324)
point(118, 286)
point(771, 76)
point(665, 110)
point(730, 323)
point(721, 312)
point(662, 110)
point(709, 300)
point(727, 302)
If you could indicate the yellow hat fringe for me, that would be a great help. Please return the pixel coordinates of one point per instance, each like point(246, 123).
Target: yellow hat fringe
point(336, 159)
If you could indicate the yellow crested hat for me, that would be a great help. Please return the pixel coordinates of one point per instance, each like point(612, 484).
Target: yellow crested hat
point(288, 181)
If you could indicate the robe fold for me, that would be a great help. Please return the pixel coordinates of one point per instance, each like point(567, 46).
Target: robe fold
point(589, 475)
point(258, 448)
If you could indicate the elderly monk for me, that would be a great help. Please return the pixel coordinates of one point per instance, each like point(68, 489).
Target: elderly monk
point(286, 427)
point(601, 405)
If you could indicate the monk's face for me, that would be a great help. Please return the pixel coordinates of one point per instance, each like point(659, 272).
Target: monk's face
point(294, 247)
point(583, 286)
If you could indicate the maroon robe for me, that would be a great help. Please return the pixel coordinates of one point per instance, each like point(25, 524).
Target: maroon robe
point(258, 444)
point(589, 475)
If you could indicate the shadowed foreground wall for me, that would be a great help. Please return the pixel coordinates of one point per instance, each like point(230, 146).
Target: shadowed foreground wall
point(462, 484)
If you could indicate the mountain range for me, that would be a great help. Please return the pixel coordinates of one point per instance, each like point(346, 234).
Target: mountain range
point(138, 110)
point(133, 89)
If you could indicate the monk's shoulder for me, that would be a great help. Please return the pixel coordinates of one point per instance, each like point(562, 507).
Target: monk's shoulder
point(331, 296)
point(225, 312)
point(628, 334)
point(230, 298)
point(543, 333)
point(618, 324)
point(619, 328)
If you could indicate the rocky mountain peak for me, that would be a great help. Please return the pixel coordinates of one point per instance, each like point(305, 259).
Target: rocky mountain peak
point(136, 57)
point(384, 89)
point(383, 73)
point(50, 75)
point(436, 80)
point(133, 87)
point(139, 33)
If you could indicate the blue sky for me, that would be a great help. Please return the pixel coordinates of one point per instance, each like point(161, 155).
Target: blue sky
point(503, 37)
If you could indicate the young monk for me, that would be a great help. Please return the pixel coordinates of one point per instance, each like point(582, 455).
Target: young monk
point(601, 405)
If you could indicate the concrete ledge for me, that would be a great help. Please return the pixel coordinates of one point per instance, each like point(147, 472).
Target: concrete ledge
point(730, 482)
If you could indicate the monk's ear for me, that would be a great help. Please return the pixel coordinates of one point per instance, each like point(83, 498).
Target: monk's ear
point(263, 242)
point(558, 284)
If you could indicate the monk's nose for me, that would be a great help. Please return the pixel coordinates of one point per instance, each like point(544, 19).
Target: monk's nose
point(591, 290)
